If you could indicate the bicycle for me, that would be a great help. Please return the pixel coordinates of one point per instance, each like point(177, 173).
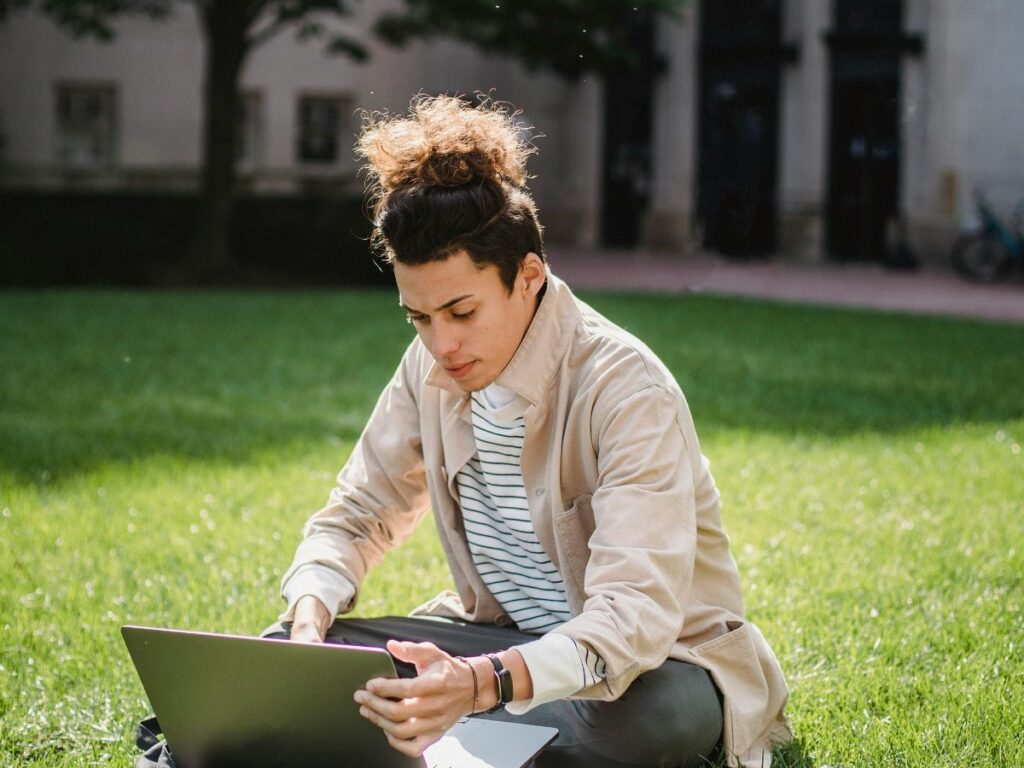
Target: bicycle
point(988, 253)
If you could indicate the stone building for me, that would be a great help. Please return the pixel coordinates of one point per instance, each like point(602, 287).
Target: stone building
point(804, 129)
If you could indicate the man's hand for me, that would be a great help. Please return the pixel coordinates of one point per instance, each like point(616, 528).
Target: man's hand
point(416, 712)
point(312, 620)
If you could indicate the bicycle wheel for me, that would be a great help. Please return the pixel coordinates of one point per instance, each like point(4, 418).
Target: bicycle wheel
point(981, 259)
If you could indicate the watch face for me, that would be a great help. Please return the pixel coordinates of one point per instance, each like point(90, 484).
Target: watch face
point(505, 686)
point(504, 680)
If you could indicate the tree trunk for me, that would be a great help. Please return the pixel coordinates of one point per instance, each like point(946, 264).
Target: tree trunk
point(224, 29)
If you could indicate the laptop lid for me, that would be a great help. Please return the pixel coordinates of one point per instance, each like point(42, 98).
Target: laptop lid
point(226, 700)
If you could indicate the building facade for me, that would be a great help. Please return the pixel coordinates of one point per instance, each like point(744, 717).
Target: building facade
point(804, 129)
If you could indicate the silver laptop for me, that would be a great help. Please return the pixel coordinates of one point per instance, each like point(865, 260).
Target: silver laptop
point(225, 700)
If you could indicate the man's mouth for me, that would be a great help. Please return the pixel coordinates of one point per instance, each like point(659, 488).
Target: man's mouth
point(457, 372)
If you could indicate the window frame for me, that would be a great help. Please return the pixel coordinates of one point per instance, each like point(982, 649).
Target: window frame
point(105, 134)
point(250, 130)
point(344, 105)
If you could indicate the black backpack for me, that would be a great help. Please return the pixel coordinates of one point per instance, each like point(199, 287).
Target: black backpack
point(155, 753)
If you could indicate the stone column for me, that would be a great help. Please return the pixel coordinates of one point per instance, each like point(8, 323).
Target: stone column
point(669, 220)
point(803, 132)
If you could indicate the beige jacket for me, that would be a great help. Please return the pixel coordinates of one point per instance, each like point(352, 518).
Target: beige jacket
point(620, 497)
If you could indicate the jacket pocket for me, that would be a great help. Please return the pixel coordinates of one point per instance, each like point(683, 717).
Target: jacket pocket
point(572, 528)
point(748, 675)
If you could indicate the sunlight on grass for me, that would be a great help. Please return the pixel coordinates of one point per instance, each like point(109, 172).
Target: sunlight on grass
point(161, 452)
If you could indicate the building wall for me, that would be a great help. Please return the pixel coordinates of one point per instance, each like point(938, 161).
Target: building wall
point(935, 150)
point(803, 131)
point(156, 68)
point(962, 108)
point(157, 75)
point(993, 99)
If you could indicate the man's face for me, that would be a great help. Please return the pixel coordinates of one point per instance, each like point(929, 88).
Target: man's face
point(464, 315)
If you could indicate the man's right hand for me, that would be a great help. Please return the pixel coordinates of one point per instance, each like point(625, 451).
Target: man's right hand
point(312, 620)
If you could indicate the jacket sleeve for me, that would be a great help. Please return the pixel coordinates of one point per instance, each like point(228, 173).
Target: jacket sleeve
point(643, 546)
point(380, 496)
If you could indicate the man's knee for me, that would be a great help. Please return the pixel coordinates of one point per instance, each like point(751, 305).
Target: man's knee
point(673, 717)
point(695, 725)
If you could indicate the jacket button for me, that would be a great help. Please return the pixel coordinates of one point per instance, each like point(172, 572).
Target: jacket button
point(539, 492)
point(504, 620)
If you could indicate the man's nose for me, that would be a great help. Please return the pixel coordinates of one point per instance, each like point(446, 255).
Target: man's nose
point(444, 341)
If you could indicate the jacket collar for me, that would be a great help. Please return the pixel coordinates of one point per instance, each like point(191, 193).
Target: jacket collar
point(533, 366)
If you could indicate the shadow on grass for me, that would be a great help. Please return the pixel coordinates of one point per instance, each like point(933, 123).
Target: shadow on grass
point(91, 378)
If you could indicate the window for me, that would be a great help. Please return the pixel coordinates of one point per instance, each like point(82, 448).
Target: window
point(86, 125)
point(322, 121)
point(249, 130)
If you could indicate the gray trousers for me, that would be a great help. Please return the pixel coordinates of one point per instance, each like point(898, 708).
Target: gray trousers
point(670, 717)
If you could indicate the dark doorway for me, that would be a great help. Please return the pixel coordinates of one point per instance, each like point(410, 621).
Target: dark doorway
point(864, 152)
point(740, 59)
point(629, 98)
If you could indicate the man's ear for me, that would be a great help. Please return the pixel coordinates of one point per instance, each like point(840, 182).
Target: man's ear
point(532, 273)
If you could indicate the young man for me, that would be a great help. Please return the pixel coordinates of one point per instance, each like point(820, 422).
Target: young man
point(595, 589)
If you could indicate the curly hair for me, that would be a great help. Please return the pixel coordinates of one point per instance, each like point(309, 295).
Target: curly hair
point(448, 177)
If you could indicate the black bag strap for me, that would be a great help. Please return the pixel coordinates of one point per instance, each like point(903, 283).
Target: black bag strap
point(148, 733)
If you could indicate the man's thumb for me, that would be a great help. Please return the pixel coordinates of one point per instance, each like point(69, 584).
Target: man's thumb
point(420, 654)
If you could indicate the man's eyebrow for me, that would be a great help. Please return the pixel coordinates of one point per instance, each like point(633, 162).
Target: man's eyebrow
point(447, 304)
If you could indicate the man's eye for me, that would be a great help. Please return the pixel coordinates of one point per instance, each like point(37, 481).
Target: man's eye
point(416, 318)
point(463, 315)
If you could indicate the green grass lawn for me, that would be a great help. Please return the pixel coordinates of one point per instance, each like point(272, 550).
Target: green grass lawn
point(160, 452)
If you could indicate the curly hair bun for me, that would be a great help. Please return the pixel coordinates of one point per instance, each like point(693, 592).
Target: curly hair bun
point(444, 142)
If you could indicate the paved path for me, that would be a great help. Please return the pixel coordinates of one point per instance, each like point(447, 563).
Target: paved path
point(926, 292)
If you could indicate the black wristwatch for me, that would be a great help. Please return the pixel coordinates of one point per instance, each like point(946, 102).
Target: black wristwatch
point(503, 683)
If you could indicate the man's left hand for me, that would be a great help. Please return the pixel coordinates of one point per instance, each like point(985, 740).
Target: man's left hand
point(416, 712)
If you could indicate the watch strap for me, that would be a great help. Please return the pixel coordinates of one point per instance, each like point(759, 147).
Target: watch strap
point(502, 681)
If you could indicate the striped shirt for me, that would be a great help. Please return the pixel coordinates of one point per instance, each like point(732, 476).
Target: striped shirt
point(506, 551)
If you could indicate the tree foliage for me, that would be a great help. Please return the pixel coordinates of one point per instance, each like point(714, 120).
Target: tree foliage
point(90, 18)
point(570, 37)
point(262, 19)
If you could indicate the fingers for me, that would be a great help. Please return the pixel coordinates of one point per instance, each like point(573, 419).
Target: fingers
point(406, 688)
point(312, 619)
point(411, 722)
point(407, 728)
point(395, 711)
point(410, 736)
point(416, 712)
point(412, 747)
point(402, 708)
point(305, 632)
point(420, 654)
